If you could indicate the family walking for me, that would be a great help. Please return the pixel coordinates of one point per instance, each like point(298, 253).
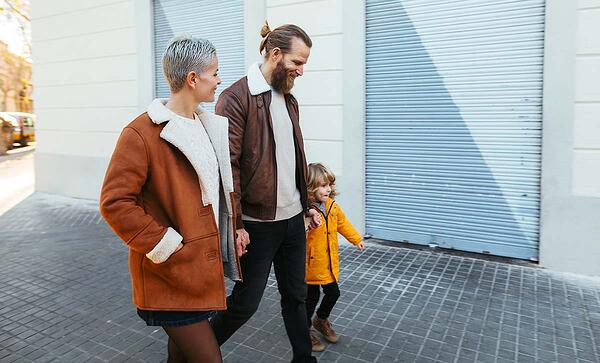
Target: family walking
point(199, 196)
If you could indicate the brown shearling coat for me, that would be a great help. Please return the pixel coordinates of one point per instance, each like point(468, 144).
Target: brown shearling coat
point(151, 184)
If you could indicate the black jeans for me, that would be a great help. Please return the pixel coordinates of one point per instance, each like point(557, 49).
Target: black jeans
point(331, 293)
point(283, 244)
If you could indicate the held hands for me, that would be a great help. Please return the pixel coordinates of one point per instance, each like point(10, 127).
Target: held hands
point(315, 219)
point(242, 239)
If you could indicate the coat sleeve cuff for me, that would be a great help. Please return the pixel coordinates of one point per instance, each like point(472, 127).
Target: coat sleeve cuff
point(165, 248)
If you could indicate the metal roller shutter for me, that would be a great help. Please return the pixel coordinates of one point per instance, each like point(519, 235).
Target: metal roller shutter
point(453, 123)
point(221, 22)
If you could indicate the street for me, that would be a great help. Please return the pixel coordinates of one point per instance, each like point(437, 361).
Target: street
point(16, 177)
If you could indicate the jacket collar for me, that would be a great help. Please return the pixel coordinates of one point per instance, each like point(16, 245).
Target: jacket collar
point(182, 133)
point(257, 83)
point(214, 124)
point(328, 206)
point(159, 113)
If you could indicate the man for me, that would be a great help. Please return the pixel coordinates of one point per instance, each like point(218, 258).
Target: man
point(269, 171)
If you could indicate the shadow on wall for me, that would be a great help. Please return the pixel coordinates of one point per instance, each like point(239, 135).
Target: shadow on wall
point(453, 159)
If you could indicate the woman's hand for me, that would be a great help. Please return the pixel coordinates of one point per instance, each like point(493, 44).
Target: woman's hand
point(361, 246)
point(242, 239)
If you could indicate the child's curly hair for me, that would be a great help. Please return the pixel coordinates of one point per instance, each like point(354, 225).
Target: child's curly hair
point(319, 175)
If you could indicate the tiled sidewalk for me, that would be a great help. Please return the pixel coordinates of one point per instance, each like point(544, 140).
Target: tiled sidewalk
point(65, 297)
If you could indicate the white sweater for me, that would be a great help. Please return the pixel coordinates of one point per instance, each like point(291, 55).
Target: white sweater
point(288, 196)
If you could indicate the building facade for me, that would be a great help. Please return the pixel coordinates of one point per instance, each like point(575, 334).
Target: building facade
point(470, 125)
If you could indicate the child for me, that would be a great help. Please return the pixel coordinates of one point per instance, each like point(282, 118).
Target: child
point(322, 262)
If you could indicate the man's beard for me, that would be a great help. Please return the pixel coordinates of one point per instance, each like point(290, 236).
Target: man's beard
point(281, 80)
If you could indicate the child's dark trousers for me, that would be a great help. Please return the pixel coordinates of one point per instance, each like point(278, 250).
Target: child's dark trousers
point(331, 293)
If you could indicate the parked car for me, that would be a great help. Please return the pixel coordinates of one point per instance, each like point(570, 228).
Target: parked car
point(24, 131)
point(7, 132)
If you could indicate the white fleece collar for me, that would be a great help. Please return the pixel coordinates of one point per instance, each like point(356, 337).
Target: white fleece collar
point(159, 113)
point(257, 83)
point(182, 133)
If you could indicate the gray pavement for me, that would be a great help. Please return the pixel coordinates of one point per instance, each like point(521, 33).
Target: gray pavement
point(16, 177)
point(65, 297)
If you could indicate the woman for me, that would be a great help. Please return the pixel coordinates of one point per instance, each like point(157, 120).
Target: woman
point(167, 195)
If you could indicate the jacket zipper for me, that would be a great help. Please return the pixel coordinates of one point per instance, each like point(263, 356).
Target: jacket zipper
point(327, 228)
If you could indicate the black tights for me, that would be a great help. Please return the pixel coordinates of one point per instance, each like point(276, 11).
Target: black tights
point(193, 343)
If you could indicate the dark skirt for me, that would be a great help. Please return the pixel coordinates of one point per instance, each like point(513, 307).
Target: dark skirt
point(170, 319)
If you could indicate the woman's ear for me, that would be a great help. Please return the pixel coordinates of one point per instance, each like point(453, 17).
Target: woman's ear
point(191, 79)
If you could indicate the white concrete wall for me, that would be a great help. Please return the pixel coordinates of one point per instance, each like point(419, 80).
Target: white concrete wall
point(586, 142)
point(86, 89)
point(570, 225)
point(331, 92)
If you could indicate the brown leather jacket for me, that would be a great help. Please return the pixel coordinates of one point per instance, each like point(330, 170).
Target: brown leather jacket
point(252, 150)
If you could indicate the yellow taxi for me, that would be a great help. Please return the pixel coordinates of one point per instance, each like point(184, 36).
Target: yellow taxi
point(24, 126)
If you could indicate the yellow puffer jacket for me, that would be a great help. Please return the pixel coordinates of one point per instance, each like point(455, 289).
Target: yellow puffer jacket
point(322, 261)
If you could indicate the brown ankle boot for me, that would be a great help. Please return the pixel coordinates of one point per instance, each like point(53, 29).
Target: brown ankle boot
point(323, 326)
point(317, 346)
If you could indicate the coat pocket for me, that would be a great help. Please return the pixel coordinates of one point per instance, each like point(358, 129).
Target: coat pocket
point(194, 272)
point(310, 256)
point(203, 226)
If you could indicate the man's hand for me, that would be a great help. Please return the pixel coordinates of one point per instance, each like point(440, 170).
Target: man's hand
point(361, 246)
point(315, 219)
point(242, 239)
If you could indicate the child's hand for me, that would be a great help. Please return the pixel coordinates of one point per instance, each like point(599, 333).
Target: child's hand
point(315, 219)
point(361, 246)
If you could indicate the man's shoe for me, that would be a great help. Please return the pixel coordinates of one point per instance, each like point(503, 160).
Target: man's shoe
point(324, 327)
point(317, 346)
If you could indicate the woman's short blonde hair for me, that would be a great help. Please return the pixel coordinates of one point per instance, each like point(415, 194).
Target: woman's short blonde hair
point(184, 54)
point(319, 175)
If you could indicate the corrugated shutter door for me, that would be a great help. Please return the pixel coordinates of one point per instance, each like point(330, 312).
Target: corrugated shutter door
point(453, 124)
point(221, 22)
